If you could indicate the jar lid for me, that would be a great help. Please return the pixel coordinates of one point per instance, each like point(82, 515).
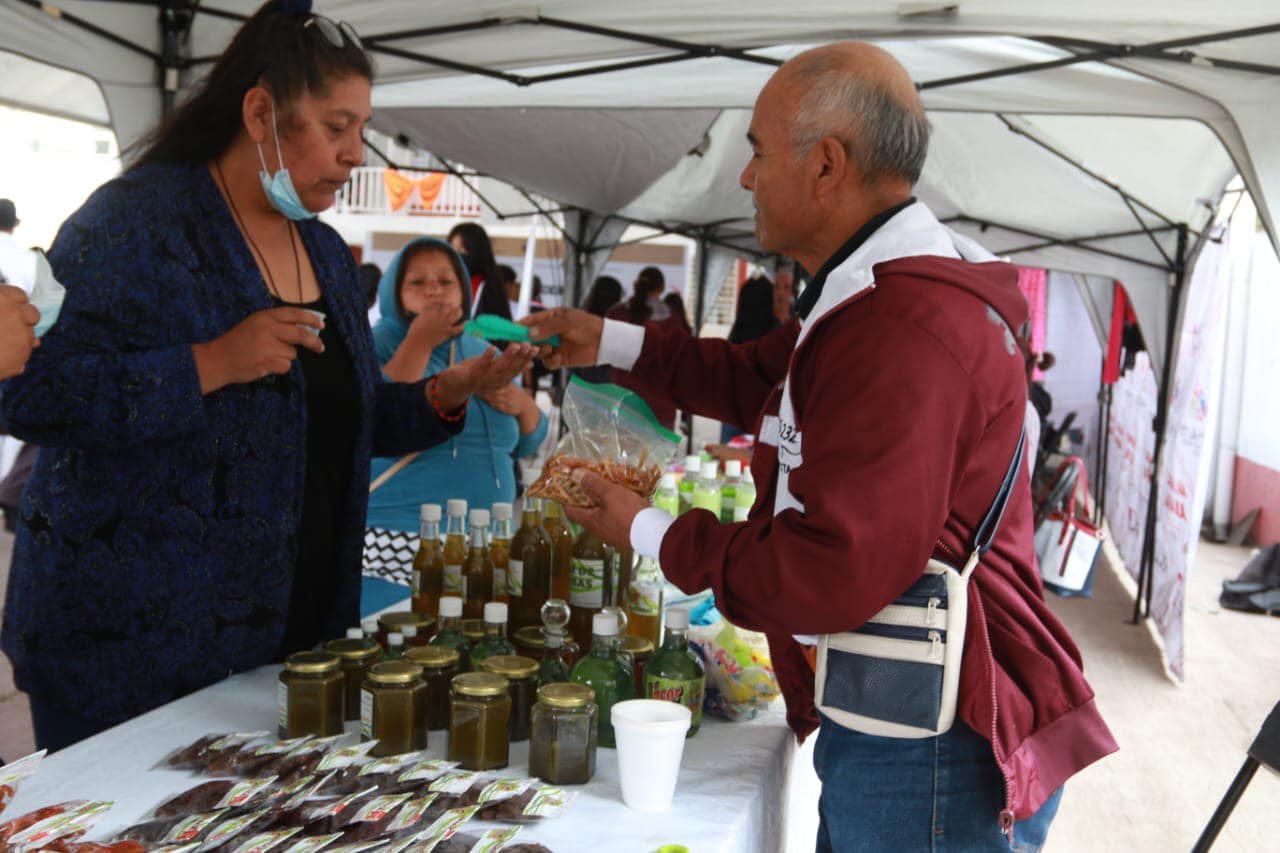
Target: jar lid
point(394, 672)
point(433, 657)
point(512, 666)
point(311, 663)
point(390, 622)
point(636, 645)
point(353, 649)
point(480, 684)
point(529, 636)
point(566, 694)
point(473, 629)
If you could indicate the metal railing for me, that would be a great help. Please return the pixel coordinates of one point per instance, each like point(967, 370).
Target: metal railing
point(366, 192)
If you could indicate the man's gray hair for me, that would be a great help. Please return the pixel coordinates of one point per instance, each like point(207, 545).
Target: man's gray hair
point(882, 135)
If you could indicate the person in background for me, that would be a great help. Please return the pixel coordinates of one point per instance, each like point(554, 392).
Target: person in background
point(605, 292)
point(784, 294)
point(675, 304)
point(891, 415)
point(209, 400)
point(424, 297)
point(488, 291)
point(755, 319)
point(511, 287)
point(646, 306)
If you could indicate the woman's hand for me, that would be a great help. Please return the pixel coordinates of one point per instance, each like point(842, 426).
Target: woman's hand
point(579, 333)
point(515, 401)
point(263, 343)
point(488, 371)
point(436, 324)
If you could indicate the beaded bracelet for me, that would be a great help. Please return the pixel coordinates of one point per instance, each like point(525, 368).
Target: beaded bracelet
point(441, 413)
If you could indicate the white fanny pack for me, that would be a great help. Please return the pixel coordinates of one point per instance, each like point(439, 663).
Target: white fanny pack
point(898, 674)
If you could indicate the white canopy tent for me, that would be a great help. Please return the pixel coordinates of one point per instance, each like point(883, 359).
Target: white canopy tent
point(1093, 137)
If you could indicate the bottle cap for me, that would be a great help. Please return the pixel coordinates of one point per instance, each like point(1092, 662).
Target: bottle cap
point(678, 618)
point(429, 512)
point(733, 468)
point(692, 464)
point(355, 633)
point(495, 612)
point(369, 626)
point(668, 481)
point(604, 625)
point(479, 518)
point(502, 511)
point(409, 632)
point(457, 507)
point(450, 607)
point(710, 470)
point(395, 638)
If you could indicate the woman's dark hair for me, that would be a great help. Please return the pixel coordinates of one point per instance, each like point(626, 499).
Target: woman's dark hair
point(648, 283)
point(274, 48)
point(755, 311)
point(479, 254)
point(370, 277)
point(426, 248)
point(675, 302)
point(606, 292)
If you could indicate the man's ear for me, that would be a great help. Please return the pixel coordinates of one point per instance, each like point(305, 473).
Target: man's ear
point(832, 164)
point(255, 112)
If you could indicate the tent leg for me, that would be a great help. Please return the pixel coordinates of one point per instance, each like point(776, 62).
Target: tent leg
point(1104, 452)
point(699, 303)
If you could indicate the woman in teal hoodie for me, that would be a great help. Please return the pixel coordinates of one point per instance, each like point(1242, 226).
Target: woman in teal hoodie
point(424, 297)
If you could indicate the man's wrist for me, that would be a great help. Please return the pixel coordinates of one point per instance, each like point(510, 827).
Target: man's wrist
point(620, 344)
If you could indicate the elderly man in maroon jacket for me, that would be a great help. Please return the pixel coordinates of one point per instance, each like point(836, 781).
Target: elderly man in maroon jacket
point(886, 418)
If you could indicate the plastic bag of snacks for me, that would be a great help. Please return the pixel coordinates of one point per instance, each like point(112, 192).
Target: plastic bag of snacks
point(740, 679)
point(611, 432)
point(11, 775)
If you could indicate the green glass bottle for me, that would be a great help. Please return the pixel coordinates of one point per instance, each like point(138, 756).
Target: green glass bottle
point(495, 640)
point(450, 633)
point(603, 672)
point(675, 673)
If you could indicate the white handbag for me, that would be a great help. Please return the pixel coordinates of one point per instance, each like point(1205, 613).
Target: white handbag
point(898, 674)
point(1067, 544)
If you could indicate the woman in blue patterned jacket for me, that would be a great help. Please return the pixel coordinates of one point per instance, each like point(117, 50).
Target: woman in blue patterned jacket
point(209, 400)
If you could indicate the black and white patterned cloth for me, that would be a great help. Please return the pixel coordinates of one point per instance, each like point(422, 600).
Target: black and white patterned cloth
point(388, 554)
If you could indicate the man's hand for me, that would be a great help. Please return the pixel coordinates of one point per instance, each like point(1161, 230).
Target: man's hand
point(485, 372)
point(261, 344)
point(579, 333)
point(616, 507)
point(435, 325)
point(18, 318)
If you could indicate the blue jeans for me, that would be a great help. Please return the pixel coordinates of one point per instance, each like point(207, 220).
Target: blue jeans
point(938, 794)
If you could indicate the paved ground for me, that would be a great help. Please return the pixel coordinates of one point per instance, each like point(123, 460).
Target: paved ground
point(1180, 745)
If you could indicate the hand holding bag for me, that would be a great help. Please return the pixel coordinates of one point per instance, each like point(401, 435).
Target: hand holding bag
point(1067, 544)
point(898, 674)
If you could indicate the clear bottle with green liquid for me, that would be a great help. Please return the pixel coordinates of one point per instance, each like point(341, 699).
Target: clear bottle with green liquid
point(603, 672)
point(707, 494)
point(729, 488)
point(675, 672)
point(745, 497)
point(449, 634)
point(688, 483)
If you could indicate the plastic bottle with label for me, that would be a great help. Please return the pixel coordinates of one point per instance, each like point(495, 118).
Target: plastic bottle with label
point(586, 581)
point(707, 494)
point(477, 571)
point(667, 498)
point(455, 546)
point(500, 549)
point(745, 497)
point(529, 569)
point(729, 488)
point(675, 673)
point(428, 562)
point(689, 482)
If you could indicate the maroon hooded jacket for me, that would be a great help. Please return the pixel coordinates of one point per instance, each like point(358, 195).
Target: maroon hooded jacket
point(910, 398)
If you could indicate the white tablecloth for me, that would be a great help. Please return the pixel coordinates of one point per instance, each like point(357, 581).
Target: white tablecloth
point(731, 795)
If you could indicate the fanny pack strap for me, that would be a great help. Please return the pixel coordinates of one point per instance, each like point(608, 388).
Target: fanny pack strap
point(986, 532)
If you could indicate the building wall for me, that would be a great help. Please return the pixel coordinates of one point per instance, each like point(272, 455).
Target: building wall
point(1257, 469)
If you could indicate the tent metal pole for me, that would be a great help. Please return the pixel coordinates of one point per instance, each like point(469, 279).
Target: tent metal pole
point(703, 245)
point(1146, 574)
point(580, 255)
point(1048, 241)
point(657, 41)
point(75, 21)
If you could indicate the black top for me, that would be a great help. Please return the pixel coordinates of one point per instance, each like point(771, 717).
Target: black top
point(332, 423)
point(813, 290)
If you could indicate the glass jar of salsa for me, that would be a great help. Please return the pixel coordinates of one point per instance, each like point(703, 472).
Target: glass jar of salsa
point(310, 696)
point(479, 721)
point(393, 708)
point(522, 677)
point(355, 656)
point(562, 745)
point(439, 666)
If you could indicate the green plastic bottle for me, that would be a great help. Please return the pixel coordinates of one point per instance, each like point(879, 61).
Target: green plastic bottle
point(495, 640)
point(668, 497)
point(729, 488)
point(745, 497)
point(604, 673)
point(707, 494)
point(675, 673)
point(450, 633)
point(689, 482)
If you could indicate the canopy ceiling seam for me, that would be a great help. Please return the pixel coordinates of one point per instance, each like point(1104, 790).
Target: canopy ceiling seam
point(59, 14)
point(1050, 241)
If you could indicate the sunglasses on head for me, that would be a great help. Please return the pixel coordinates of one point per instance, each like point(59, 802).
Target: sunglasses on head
point(336, 33)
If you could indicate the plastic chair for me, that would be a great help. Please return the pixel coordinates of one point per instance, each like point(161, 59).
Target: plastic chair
point(1265, 749)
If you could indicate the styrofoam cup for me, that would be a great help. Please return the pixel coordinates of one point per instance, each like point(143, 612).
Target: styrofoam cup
point(650, 736)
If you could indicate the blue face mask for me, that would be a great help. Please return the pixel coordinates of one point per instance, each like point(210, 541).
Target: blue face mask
point(279, 187)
